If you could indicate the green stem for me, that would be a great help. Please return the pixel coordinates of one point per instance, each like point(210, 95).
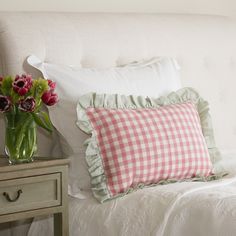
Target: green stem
point(20, 136)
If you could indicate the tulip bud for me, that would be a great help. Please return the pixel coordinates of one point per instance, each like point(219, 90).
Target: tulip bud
point(50, 98)
point(51, 84)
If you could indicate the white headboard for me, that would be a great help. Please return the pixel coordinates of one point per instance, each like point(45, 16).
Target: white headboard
point(205, 47)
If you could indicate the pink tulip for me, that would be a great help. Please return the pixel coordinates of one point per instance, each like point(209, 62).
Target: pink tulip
point(27, 105)
point(51, 84)
point(50, 98)
point(22, 84)
point(5, 103)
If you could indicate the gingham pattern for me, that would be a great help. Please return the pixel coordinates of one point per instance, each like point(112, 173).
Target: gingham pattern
point(149, 145)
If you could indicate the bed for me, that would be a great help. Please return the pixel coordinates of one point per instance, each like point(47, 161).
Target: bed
point(203, 45)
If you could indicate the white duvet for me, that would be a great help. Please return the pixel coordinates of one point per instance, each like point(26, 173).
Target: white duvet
point(180, 209)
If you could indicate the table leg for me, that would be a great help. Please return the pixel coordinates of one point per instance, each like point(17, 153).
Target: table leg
point(61, 225)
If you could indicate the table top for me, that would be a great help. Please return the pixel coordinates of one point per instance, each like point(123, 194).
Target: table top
point(38, 162)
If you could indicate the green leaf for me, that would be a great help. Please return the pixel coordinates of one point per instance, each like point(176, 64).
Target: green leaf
point(42, 119)
point(47, 119)
point(7, 86)
point(39, 87)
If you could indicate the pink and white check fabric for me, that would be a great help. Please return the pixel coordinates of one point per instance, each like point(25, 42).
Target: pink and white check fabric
point(149, 145)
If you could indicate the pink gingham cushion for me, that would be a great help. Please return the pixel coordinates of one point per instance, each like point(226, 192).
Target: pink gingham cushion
point(138, 141)
point(147, 145)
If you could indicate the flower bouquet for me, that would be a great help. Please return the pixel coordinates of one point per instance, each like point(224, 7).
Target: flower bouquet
point(21, 102)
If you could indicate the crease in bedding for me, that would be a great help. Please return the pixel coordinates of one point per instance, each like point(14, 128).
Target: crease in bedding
point(170, 210)
point(183, 206)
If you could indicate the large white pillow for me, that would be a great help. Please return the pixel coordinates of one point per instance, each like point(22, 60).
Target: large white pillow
point(154, 77)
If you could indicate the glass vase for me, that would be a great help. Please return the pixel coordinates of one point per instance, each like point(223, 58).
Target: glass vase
point(20, 137)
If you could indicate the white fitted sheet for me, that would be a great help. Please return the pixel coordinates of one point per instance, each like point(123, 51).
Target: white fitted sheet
point(179, 209)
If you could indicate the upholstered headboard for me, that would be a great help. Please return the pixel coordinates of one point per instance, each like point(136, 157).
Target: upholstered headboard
point(205, 47)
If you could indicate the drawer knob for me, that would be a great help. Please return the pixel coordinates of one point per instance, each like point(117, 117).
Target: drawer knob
point(19, 192)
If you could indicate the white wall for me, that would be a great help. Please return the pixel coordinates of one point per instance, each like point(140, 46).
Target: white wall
point(221, 7)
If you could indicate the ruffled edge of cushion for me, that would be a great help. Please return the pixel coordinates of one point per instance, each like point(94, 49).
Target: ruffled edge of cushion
point(93, 158)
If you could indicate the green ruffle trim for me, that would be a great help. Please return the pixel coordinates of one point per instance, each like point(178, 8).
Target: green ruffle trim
point(93, 158)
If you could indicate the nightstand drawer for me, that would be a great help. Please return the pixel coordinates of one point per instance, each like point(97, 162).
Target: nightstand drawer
point(30, 193)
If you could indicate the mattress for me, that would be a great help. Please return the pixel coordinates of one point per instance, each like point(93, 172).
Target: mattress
point(179, 209)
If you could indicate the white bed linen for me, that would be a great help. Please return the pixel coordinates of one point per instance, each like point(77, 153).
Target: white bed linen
point(180, 209)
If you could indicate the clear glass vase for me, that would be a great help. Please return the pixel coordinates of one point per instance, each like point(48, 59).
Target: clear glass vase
point(20, 138)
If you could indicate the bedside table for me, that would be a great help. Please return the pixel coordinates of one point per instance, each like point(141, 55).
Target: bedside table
point(34, 189)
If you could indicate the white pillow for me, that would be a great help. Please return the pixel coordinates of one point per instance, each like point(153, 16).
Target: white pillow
point(154, 77)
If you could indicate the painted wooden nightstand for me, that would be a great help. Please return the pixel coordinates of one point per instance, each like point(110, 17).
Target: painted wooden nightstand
point(34, 189)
